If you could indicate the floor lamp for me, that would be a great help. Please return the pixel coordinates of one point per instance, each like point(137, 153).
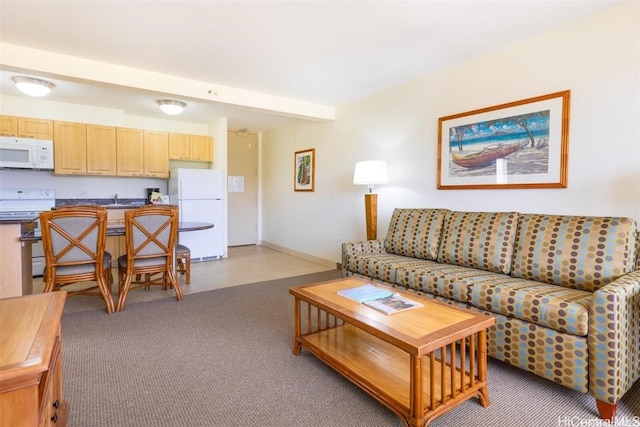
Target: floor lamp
point(368, 173)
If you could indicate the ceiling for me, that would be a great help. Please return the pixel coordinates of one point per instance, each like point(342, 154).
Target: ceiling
point(321, 52)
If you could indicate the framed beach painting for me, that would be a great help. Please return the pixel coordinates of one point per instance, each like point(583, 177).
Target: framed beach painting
point(521, 144)
point(304, 170)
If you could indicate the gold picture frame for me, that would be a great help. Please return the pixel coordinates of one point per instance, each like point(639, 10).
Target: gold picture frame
point(304, 170)
point(521, 144)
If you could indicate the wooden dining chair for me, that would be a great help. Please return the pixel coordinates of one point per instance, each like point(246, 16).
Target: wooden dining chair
point(73, 239)
point(150, 234)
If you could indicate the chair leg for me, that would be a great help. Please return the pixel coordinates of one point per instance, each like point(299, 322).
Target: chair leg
point(188, 269)
point(105, 290)
point(124, 290)
point(175, 284)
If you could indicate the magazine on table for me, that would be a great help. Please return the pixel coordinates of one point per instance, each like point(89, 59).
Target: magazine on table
point(392, 304)
point(381, 299)
point(365, 293)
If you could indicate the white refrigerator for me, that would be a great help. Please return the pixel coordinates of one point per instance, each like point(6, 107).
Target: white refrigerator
point(199, 194)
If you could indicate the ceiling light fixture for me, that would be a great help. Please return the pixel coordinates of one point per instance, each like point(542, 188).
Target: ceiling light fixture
point(171, 106)
point(31, 86)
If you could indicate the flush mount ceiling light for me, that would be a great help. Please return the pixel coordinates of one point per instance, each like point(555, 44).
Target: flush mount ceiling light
point(171, 106)
point(31, 86)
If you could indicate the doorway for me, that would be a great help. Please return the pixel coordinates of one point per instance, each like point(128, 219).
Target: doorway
point(242, 196)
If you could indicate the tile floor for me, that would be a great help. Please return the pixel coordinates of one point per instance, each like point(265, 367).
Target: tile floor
point(245, 264)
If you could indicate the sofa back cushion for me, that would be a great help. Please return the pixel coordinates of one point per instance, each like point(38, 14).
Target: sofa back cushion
point(415, 232)
point(579, 252)
point(482, 240)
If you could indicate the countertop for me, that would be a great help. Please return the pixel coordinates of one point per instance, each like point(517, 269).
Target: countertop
point(119, 231)
point(22, 220)
point(108, 203)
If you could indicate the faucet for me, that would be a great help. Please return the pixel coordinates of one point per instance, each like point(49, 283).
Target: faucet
point(115, 199)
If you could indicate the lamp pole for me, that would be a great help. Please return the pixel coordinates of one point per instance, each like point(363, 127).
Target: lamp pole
point(371, 213)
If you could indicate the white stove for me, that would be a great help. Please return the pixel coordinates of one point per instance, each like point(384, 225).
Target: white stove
point(27, 203)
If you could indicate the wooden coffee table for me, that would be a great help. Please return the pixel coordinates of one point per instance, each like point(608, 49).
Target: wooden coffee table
point(419, 363)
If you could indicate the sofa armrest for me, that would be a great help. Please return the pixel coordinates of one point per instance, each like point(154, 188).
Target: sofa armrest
point(614, 338)
point(366, 247)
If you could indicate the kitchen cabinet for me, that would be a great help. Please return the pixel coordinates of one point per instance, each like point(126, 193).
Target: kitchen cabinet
point(35, 128)
point(26, 127)
point(70, 148)
point(129, 152)
point(81, 149)
point(190, 147)
point(31, 362)
point(116, 245)
point(8, 126)
point(101, 150)
point(156, 154)
point(142, 153)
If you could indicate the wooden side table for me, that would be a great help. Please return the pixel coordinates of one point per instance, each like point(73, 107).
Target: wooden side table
point(31, 361)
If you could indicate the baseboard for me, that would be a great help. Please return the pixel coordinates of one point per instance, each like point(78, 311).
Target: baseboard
point(321, 261)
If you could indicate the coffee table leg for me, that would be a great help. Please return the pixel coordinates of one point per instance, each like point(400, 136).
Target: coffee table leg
point(416, 407)
point(297, 346)
point(482, 368)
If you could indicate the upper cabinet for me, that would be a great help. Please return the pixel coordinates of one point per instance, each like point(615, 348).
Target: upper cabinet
point(101, 150)
point(130, 152)
point(142, 153)
point(190, 147)
point(70, 148)
point(81, 149)
point(156, 154)
point(26, 127)
point(8, 126)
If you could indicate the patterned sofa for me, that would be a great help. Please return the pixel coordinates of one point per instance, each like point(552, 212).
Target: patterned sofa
point(564, 290)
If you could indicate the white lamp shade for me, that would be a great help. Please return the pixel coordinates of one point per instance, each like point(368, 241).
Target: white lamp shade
point(171, 106)
point(32, 87)
point(370, 172)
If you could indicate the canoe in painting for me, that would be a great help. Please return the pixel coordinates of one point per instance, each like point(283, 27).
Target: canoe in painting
point(485, 157)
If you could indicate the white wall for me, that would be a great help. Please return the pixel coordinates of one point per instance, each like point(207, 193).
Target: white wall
point(597, 58)
point(103, 187)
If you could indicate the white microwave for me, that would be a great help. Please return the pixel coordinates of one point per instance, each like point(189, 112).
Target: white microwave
point(26, 153)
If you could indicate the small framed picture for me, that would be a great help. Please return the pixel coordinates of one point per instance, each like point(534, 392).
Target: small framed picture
point(304, 170)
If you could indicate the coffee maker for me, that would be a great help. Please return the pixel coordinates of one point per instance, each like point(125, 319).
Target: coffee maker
point(149, 192)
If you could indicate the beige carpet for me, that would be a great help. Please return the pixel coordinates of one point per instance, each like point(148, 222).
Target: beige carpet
point(223, 358)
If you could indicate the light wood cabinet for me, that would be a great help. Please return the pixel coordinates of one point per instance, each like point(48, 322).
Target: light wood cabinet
point(31, 361)
point(81, 149)
point(190, 147)
point(101, 150)
point(142, 153)
point(35, 128)
point(26, 127)
point(116, 245)
point(201, 148)
point(70, 148)
point(129, 152)
point(8, 126)
point(156, 154)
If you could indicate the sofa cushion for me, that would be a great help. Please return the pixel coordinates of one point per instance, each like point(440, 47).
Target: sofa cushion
point(579, 252)
point(421, 277)
point(378, 266)
point(415, 232)
point(556, 307)
point(482, 240)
